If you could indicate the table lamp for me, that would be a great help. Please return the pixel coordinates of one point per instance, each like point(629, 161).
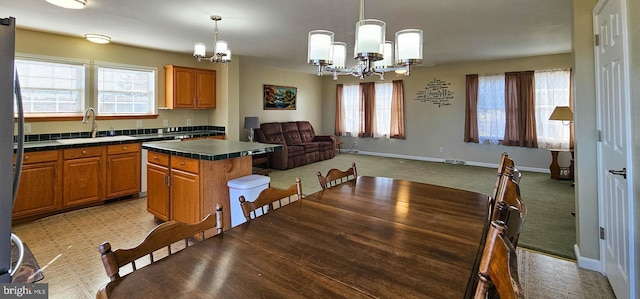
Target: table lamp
point(562, 113)
point(251, 122)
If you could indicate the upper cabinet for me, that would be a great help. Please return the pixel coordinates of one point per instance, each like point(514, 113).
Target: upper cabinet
point(190, 88)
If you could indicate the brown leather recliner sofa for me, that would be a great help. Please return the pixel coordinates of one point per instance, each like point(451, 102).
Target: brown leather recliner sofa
point(300, 144)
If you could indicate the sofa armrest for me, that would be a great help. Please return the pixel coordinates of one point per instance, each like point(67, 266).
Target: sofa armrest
point(278, 159)
point(326, 138)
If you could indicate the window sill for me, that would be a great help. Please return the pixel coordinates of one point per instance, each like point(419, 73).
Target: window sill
point(78, 117)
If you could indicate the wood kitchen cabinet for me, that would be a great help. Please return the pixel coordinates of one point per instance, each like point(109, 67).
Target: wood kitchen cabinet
point(189, 88)
point(158, 185)
point(123, 170)
point(40, 188)
point(83, 173)
point(185, 190)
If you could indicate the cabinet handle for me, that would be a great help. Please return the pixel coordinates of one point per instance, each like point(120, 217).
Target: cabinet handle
point(182, 163)
point(84, 152)
point(124, 148)
point(26, 157)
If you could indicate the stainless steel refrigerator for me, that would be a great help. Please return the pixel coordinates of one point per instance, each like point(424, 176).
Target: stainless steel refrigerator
point(9, 174)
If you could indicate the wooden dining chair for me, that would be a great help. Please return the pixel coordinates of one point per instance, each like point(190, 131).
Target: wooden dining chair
point(163, 235)
point(510, 207)
point(268, 197)
point(499, 266)
point(336, 177)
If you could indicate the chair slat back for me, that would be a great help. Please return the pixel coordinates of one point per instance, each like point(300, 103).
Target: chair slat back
point(163, 235)
point(336, 177)
point(499, 266)
point(266, 199)
point(510, 208)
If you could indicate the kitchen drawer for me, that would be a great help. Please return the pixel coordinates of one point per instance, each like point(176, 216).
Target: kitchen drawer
point(158, 158)
point(123, 148)
point(185, 164)
point(83, 152)
point(37, 157)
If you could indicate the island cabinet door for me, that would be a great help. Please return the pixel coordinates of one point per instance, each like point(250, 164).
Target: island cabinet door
point(123, 170)
point(158, 191)
point(185, 196)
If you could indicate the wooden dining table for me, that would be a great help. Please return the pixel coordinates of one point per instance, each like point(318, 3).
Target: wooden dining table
point(371, 237)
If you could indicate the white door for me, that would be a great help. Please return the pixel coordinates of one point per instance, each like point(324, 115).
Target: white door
point(614, 151)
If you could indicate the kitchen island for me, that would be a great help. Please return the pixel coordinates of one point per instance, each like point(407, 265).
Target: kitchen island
point(186, 179)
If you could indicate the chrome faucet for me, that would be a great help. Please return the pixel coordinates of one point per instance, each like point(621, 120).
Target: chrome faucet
point(94, 123)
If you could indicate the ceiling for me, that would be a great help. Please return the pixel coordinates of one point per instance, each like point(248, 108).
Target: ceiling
point(274, 32)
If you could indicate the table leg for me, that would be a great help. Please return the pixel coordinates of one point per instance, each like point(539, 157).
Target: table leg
point(554, 167)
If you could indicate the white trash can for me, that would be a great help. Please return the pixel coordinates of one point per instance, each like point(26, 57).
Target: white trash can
point(250, 186)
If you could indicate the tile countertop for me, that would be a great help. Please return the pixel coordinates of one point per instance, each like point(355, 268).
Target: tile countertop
point(211, 149)
point(120, 139)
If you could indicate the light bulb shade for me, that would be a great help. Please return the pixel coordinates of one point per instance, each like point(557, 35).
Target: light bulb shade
point(387, 61)
point(562, 113)
point(227, 57)
point(221, 48)
point(320, 47)
point(71, 4)
point(369, 39)
point(409, 46)
point(339, 55)
point(199, 50)
point(97, 38)
point(251, 122)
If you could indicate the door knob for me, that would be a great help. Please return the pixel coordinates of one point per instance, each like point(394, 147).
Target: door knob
point(622, 172)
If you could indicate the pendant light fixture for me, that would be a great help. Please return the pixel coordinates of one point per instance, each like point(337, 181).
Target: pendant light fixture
point(71, 4)
point(221, 51)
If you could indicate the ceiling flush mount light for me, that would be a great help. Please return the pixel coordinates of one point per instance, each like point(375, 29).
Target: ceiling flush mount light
point(221, 51)
point(97, 38)
point(71, 4)
point(374, 55)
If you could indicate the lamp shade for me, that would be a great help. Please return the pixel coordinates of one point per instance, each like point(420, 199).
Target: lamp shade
point(339, 55)
point(370, 39)
point(562, 113)
point(409, 46)
point(320, 49)
point(251, 122)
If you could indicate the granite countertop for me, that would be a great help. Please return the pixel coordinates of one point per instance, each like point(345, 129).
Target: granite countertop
point(108, 140)
point(211, 149)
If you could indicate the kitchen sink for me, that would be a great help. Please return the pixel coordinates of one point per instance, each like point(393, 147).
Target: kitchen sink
point(97, 139)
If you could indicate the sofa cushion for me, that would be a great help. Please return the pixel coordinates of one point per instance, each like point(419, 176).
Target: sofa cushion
point(306, 131)
point(294, 150)
point(290, 132)
point(272, 132)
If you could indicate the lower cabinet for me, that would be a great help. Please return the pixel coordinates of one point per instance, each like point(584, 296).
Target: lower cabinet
point(185, 190)
point(40, 189)
point(158, 185)
point(82, 170)
point(123, 170)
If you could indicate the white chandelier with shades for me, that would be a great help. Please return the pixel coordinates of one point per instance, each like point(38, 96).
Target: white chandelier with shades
point(374, 55)
point(221, 51)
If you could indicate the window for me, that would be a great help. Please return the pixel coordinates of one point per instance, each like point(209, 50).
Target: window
point(491, 111)
point(382, 119)
point(125, 91)
point(552, 89)
point(351, 109)
point(51, 87)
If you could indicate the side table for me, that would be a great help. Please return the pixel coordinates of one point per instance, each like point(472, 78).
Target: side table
point(557, 172)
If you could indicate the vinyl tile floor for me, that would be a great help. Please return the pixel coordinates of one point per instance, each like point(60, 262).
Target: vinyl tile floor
point(66, 248)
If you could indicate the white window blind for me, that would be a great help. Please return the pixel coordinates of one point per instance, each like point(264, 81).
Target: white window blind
point(51, 87)
point(125, 90)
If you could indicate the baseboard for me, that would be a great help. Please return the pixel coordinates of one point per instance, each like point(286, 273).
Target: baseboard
point(587, 263)
point(428, 159)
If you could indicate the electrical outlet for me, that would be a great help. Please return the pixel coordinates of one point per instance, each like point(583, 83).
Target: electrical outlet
point(188, 121)
point(27, 128)
point(165, 122)
point(442, 149)
point(138, 124)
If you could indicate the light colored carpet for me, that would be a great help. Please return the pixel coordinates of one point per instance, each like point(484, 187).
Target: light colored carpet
point(549, 226)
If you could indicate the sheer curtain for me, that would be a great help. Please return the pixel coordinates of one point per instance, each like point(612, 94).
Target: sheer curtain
point(552, 89)
point(382, 120)
point(491, 115)
point(350, 109)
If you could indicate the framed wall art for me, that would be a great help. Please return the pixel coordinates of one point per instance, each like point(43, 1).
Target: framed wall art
point(279, 97)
